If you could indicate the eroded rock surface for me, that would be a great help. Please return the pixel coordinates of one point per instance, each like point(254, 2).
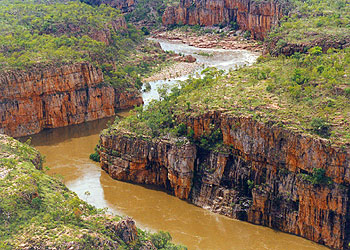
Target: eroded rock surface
point(161, 163)
point(57, 97)
point(259, 175)
point(255, 16)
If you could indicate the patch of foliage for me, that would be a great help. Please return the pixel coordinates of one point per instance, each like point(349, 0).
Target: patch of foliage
point(295, 91)
point(314, 20)
point(38, 211)
point(150, 12)
point(55, 33)
point(95, 156)
point(321, 127)
point(318, 177)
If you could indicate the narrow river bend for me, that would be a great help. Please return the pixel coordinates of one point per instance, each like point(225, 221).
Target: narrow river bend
point(67, 153)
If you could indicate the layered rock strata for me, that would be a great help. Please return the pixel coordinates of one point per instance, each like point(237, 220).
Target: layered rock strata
point(160, 163)
point(57, 97)
point(263, 174)
point(255, 16)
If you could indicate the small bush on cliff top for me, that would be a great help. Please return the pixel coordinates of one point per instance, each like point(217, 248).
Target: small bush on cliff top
point(321, 127)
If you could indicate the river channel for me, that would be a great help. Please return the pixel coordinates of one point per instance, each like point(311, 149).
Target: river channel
point(67, 155)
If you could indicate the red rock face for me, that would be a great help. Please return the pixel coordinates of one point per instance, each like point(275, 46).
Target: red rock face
point(57, 97)
point(160, 163)
point(257, 17)
point(258, 177)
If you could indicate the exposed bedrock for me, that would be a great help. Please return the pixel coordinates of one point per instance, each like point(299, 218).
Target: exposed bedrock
point(255, 16)
point(57, 97)
point(160, 163)
point(261, 174)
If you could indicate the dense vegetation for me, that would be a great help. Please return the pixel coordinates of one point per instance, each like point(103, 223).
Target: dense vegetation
point(39, 212)
point(150, 12)
point(40, 33)
point(308, 93)
point(305, 92)
point(310, 22)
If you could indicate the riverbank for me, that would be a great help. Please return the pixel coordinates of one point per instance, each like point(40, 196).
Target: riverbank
point(176, 70)
point(39, 212)
point(67, 153)
point(226, 39)
point(266, 144)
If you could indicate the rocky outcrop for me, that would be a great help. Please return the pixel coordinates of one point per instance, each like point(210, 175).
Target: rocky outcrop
point(57, 97)
point(162, 163)
point(263, 174)
point(126, 230)
point(99, 34)
point(105, 35)
point(123, 5)
point(288, 49)
point(255, 16)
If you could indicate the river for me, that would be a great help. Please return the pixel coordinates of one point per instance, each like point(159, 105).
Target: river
point(67, 153)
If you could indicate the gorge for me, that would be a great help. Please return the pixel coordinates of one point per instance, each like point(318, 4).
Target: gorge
point(240, 143)
point(267, 157)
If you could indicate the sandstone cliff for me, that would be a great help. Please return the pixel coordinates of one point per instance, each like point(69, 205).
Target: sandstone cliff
point(255, 16)
point(159, 163)
point(263, 174)
point(57, 97)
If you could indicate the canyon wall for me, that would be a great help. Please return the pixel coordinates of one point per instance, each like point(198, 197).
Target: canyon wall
point(160, 163)
point(57, 97)
point(255, 16)
point(263, 174)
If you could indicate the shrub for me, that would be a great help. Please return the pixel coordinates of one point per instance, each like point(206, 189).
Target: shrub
point(250, 184)
point(321, 127)
point(145, 31)
point(36, 202)
point(299, 77)
point(247, 34)
point(190, 134)
point(234, 25)
point(95, 156)
point(315, 51)
point(161, 239)
point(269, 88)
point(280, 44)
point(347, 91)
point(209, 141)
point(181, 130)
point(318, 177)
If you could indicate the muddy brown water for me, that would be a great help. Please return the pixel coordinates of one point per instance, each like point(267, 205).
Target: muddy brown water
point(67, 155)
